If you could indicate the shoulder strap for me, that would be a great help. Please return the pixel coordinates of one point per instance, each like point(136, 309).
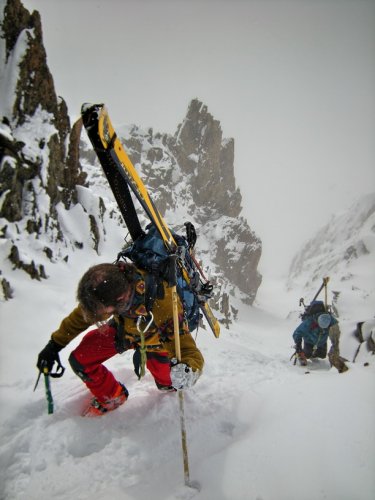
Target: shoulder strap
point(154, 290)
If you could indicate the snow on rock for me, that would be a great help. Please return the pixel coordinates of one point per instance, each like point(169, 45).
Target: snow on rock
point(343, 250)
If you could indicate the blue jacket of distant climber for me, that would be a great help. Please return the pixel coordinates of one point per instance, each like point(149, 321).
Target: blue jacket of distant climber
point(311, 333)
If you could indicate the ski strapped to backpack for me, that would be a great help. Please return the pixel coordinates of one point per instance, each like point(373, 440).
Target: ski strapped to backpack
point(316, 306)
point(123, 178)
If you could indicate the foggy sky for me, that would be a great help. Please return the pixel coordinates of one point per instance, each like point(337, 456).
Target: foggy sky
point(291, 81)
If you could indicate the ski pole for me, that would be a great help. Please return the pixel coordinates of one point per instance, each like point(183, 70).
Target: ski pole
point(176, 328)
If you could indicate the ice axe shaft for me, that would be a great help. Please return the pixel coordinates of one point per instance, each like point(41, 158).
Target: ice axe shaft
point(47, 374)
point(48, 391)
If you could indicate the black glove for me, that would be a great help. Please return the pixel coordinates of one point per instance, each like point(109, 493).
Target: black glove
point(48, 356)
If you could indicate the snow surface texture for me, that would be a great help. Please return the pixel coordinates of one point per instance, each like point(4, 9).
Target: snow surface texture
point(258, 427)
point(344, 248)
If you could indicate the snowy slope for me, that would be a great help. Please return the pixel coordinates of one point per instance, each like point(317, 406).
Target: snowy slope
point(258, 427)
point(344, 250)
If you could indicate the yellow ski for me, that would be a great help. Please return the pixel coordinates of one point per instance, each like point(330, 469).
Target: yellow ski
point(115, 161)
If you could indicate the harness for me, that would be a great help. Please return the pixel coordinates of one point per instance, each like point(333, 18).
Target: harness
point(147, 289)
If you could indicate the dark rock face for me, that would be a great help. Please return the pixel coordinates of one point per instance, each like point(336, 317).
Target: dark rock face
point(35, 84)
point(38, 149)
point(34, 93)
point(208, 160)
point(193, 172)
point(199, 141)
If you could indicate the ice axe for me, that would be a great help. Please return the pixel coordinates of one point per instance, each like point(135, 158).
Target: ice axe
point(47, 385)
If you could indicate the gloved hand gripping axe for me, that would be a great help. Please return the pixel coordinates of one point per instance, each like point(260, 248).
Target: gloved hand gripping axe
point(47, 374)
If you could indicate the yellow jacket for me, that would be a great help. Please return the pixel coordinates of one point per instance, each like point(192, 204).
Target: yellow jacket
point(158, 337)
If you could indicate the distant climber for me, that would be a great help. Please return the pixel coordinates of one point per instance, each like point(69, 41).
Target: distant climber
point(317, 326)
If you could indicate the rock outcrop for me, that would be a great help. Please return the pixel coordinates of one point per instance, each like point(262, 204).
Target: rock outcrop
point(50, 178)
point(191, 177)
point(38, 168)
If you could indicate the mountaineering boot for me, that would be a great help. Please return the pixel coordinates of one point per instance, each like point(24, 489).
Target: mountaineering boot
point(165, 388)
point(302, 358)
point(338, 362)
point(98, 408)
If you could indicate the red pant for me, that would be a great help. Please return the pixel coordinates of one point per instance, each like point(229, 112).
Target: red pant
point(99, 345)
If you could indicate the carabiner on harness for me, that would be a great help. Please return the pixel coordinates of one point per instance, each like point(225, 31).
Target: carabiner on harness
point(139, 321)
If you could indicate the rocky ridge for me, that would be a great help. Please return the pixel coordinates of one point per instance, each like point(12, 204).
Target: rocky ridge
point(50, 178)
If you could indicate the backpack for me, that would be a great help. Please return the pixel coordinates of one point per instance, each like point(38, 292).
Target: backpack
point(149, 253)
point(315, 307)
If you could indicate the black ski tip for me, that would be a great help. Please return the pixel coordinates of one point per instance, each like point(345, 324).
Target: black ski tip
point(88, 108)
point(90, 113)
point(85, 107)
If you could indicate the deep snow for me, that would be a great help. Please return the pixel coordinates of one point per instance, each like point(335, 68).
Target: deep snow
point(258, 427)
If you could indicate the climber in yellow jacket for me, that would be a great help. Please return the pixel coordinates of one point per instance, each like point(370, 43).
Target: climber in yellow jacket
point(114, 297)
